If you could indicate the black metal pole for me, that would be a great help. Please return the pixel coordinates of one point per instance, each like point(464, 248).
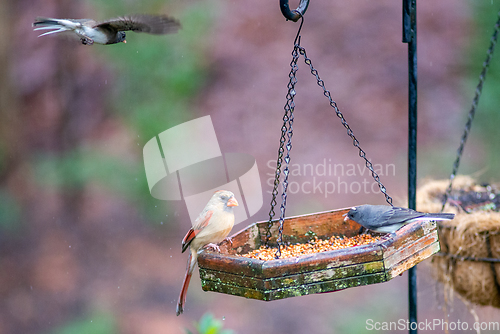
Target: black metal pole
point(410, 37)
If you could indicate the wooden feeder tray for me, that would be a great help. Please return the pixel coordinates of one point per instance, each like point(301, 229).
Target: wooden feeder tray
point(328, 271)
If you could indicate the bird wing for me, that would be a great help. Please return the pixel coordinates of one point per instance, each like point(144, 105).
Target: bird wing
point(152, 24)
point(398, 215)
point(200, 223)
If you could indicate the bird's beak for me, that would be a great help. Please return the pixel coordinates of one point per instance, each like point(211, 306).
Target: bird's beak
point(346, 217)
point(124, 41)
point(232, 202)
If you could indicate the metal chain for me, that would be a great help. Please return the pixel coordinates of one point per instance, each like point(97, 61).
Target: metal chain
point(277, 174)
point(286, 130)
point(472, 112)
point(290, 105)
point(350, 133)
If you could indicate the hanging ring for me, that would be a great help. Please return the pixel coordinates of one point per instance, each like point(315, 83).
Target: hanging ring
point(295, 14)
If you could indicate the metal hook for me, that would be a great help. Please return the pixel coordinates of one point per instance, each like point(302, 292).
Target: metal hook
point(297, 37)
point(295, 14)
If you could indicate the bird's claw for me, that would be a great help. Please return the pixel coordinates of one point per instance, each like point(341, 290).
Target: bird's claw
point(229, 239)
point(87, 41)
point(387, 237)
point(213, 246)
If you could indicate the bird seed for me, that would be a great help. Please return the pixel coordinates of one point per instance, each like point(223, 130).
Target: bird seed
point(315, 245)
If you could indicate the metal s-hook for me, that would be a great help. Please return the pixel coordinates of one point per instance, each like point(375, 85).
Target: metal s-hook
point(295, 14)
point(297, 37)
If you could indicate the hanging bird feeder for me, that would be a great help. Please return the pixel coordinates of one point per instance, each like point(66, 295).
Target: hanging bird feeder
point(230, 271)
point(469, 262)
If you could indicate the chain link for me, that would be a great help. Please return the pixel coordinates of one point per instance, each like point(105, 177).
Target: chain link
point(286, 131)
point(290, 105)
point(472, 112)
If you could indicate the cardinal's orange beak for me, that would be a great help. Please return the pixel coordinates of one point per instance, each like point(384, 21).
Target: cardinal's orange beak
point(232, 202)
point(124, 41)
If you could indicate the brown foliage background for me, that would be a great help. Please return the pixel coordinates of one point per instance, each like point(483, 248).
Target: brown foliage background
point(75, 251)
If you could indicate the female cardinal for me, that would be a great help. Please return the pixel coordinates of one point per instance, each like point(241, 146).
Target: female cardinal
point(211, 227)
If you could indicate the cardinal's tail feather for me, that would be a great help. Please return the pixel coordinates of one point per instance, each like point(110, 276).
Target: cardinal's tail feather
point(182, 296)
point(189, 271)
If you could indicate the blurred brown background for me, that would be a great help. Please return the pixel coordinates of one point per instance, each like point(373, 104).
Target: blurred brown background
point(84, 248)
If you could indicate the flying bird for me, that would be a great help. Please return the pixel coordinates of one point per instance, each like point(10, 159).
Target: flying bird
point(111, 31)
point(389, 219)
point(211, 227)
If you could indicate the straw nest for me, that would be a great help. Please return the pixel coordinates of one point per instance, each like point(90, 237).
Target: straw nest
point(469, 240)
